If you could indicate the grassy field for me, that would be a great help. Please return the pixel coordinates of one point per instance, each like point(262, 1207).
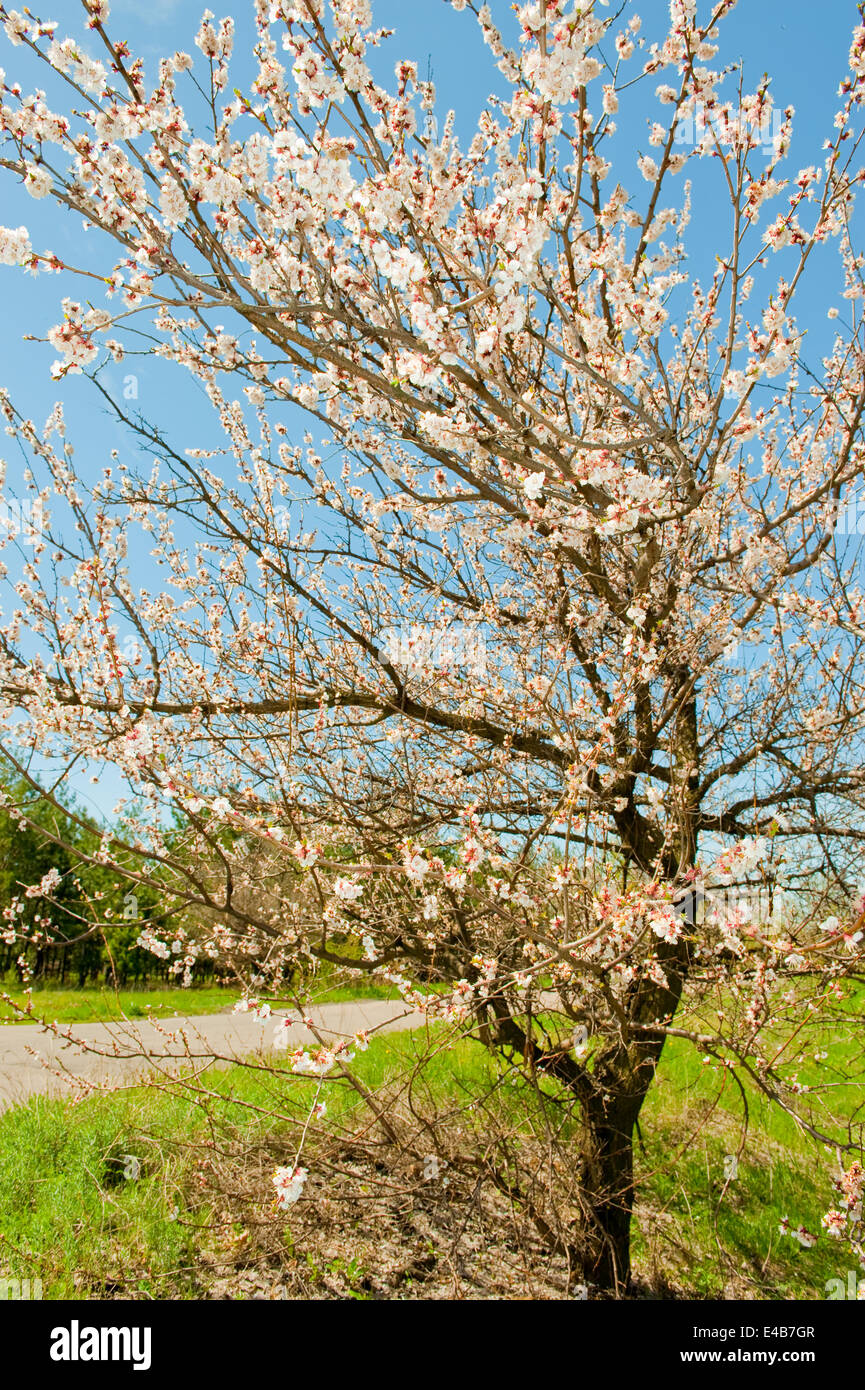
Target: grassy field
point(724, 1239)
point(70, 1217)
point(99, 1003)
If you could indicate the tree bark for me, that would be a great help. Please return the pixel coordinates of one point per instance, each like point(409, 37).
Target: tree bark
point(607, 1194)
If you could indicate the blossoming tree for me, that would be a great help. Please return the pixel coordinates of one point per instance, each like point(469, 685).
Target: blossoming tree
point(551, 620)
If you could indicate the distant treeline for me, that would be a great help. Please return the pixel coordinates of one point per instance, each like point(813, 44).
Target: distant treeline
point(72, 948)
point(89, 963)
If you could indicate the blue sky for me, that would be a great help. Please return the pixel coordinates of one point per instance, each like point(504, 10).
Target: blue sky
point(802, 45)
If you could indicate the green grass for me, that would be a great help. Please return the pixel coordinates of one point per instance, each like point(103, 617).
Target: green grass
point(69, 1216)
point(718, 1236)
point(324, 993)
point(101, 1004)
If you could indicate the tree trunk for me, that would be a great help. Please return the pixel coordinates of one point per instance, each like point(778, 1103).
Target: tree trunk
point(607, 1192)
point(611, 1097)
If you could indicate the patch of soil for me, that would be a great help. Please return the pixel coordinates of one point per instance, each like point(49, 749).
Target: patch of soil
point(368, 1228)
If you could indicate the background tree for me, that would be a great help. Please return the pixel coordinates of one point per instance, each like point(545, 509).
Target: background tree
point(60, 900)
point(566, 568)
point(28, 860)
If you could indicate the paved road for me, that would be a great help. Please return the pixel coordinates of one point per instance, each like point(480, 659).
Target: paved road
point(34, 1061)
